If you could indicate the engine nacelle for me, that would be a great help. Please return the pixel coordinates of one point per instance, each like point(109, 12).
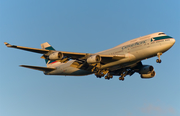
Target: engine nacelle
point(149, 75)
point(55, 56)
point(146, 69)
point(94, 59)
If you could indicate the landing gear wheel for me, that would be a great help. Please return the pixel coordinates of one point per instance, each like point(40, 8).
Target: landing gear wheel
point(121, 78)
point(111, 76)
point(99, 75)
point(158, 61)
point(158, 55)
point(106, 77)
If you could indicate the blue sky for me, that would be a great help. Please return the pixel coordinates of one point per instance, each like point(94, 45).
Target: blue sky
point(86, 26)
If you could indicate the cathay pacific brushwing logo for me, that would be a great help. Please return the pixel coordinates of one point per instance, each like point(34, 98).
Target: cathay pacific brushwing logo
point(152, 39)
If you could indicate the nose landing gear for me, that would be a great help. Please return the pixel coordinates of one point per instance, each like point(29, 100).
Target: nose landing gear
point(158, 55)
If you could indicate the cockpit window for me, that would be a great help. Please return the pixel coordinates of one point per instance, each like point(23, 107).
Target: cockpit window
point(161, 33)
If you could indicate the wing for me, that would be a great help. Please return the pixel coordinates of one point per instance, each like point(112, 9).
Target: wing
point(36, 50)
point(71, 55)
point(80, 58)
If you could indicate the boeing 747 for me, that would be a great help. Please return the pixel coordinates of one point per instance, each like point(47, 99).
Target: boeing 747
point(122, 60)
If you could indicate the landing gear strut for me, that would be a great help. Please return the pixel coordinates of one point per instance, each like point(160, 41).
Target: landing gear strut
point(158, 55)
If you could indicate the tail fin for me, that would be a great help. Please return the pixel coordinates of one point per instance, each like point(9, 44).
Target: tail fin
point(47, 46)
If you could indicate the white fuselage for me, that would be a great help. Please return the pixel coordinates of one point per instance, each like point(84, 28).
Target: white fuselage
point(134, 50)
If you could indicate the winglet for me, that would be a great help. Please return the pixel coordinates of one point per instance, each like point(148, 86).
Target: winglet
point(7, 44)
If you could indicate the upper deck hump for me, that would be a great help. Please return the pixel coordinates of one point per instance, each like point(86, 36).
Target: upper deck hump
point(135, 40)
point(140, 38)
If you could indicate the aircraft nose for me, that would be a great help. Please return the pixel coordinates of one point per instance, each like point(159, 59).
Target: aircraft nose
point(172, 41)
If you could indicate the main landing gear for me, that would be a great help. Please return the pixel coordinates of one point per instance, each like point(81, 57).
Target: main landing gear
point(101, 73)
point(122, 76)
point(158, 55)
point(126, 72)
point(108, 76)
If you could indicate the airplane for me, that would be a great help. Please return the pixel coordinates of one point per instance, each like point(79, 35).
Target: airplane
point(122, 60)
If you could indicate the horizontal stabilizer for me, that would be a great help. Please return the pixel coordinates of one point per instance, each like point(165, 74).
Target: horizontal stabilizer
point(38, 68)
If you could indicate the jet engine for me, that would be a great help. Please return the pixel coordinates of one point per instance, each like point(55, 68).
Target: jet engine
point(149, 75)
point(94, 59)
point(55, 56)
point(147, 71)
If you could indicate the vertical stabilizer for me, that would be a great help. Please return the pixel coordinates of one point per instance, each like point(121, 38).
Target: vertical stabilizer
point(47, 46)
